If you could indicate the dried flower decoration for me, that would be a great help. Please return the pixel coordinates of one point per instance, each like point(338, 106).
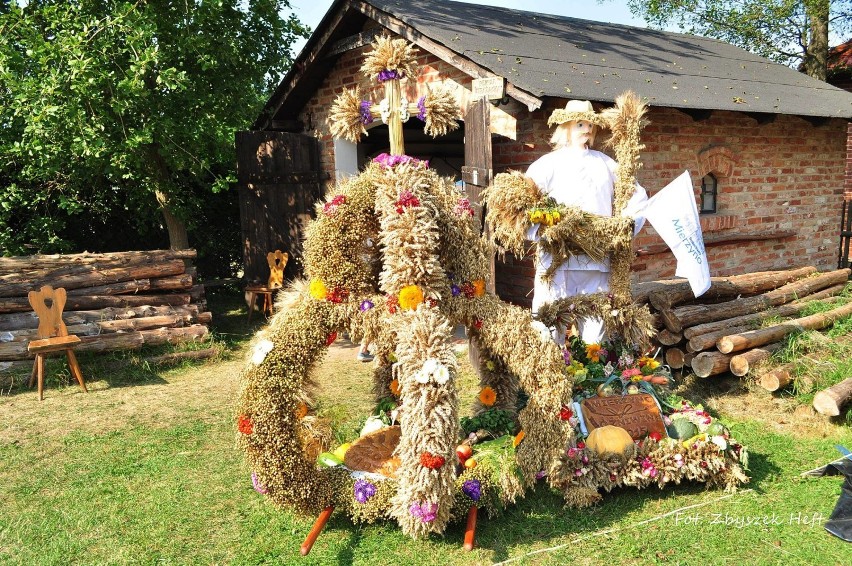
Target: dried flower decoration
point(392, 303)
point(406, 199)
point(487, 396)
point(390, 59)
point(301, 410)
point(366, 305)
point(363, 490)
point(432, 370)
point(473, 489)
point(425, 511)
point(261, 349)
point(258, 487)
point(410, 297)
point(478, 287)
point(463, 208)
point(330, 339)
point(318, 290)
point(337, 295)
point(394, 387)
point(245, 424)
point(431, 461)
point(518, 438)
point(389, 161)
point(331, 206)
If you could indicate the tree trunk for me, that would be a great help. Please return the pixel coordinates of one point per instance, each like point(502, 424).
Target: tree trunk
point(815, 60)
point(829, 401)
point(753, 338)
point(178, 238)
point(706, 364)
point(782, 311)
point(691, 315)
point(741, 364)
point(727, 287)
point(17, 267)
point(29, 320)
point(777, 378)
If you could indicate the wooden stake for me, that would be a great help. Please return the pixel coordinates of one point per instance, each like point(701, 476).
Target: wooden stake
point(470, 529)
point(319, 524)
point(829, 401)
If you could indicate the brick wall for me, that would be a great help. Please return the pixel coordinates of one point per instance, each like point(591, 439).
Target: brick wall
point(779, 177)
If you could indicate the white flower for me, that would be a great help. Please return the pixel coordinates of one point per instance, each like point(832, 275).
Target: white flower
point(442, 374)
point(430, 365)
point(384, 110)
point(608, 369)
point(260, 350)
point(543, 331)
point(372, 424)
point(421, 377)
point(719, 441)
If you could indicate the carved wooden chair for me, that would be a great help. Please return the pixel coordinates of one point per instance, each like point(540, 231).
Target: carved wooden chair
point(52, 334)
point(277, 262)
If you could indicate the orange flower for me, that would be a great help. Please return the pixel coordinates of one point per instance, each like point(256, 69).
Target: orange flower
point(593, 352)
point(245, 425)
point(518, 438)
point(487, 396)
point(394, 387)
point(301, 410)
point(409, 297)
point(478, 287)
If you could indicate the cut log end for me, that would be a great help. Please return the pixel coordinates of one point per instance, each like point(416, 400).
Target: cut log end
point(675, 358)
point(776, 379)
point(829, 401)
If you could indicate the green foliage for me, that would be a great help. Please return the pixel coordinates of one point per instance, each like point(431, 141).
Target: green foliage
point(787, 31)
point(111, 110)
point(496, 421)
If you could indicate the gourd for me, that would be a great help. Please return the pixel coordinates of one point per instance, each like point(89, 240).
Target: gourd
point(609, 438)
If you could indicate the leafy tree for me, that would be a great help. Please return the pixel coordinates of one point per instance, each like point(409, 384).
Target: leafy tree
point(788, 31)
point(125, 111)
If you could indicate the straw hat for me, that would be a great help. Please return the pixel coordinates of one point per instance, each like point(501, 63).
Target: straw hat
point(576, 110)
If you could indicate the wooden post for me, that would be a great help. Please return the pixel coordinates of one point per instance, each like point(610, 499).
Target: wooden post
point(470, 528)
point(322, 519)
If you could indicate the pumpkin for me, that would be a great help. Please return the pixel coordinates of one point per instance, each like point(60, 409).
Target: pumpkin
point(609, 439)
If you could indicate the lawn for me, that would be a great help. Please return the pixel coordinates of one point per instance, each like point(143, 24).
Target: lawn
point(144, 470)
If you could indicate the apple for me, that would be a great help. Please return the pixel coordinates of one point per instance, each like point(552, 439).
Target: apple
point(464, 451)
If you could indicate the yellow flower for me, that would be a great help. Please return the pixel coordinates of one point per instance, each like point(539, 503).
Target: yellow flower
point(318, 290)
point(518, 438)
point(651, 363)
point(487, 396)
point(548, 219)
point(593, 352)
point(556, 216)
point(478, 287)
point(490, 365)
point(409, 297)
point(394, 387)
point(536, 216)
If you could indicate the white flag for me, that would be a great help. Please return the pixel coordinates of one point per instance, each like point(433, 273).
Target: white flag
point(673, 214)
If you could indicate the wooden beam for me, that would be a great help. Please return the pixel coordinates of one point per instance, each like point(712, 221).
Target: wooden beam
point(293, 126)
point(761, 117)
point(697, 114)
point(354, 41)
point(445, 54)
point(723, 238)
point(815, 121)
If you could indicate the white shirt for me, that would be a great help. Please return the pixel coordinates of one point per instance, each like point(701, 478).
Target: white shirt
point(584, 178)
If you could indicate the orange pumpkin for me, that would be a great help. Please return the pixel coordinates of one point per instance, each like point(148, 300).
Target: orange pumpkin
point(609, 439)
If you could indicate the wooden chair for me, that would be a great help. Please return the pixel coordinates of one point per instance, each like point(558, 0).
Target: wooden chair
point(277, 262)
point(48, 304)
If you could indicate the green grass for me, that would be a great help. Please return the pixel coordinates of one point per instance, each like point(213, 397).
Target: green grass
point(144, 470)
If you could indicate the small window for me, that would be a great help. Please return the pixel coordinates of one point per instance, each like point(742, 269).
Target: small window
point(708, 194)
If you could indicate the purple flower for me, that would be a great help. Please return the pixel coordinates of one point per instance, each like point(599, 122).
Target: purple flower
point(421, 104)
point(566, 356)
point(366, 305)
point(387, 160)
point(426, 512)
point(389, 74)
point(366, 115)
point(364, 490)
point(258, 487)
point(472, 489)
point(455, 290)
point(540, 474)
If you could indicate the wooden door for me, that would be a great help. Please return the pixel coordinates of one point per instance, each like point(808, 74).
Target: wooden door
point(477, 171)
point(279, 181)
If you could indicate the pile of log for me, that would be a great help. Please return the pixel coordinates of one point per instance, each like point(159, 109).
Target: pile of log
point(741, 320)
point(116, 301)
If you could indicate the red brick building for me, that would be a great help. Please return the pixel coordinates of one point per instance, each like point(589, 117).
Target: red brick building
point(765, 145)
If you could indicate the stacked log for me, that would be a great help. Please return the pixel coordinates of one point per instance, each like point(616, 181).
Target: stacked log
point(712, 335)
point(116, 301)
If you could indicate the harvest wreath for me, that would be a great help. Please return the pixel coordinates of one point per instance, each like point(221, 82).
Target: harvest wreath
point(395, 256)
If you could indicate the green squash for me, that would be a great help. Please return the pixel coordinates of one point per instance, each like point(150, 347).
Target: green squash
point(717, 429)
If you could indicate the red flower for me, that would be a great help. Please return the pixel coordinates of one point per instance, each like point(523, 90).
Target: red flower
point(581, 445)
point(431, 461)
point(337, 295)
point(406, 199)
point(244, 424)
point(477, 324)
point(656, 436)
point(432, 302)
point(565, 414)
point(330, 207)
point(468, 289)
point(393, 303)
point(331, 338)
